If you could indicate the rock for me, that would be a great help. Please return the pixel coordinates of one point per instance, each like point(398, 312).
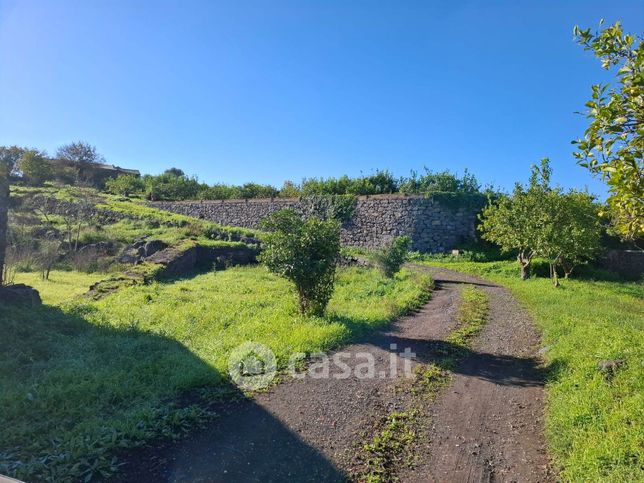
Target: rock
point(100, 248)
point(153, 246)
point(20, 294)
point(351, 261)
point(610, 367)
point(140, 250)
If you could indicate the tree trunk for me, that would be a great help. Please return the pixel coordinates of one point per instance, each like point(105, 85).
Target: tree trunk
point(554, 276)
point(525, 271)
point(524, 263)
point(4, 209)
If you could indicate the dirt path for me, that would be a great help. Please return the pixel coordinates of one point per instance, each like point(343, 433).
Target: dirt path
point(486, 426)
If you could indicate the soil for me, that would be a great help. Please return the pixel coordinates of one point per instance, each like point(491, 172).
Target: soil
point(486, 426)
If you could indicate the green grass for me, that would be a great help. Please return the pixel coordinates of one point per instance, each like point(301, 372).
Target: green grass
point(61, 286)
point(83, 380)
point(594, 426)
point(472, 314)
point(142, 221)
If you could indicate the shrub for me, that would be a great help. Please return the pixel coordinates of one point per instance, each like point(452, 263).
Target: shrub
point(125, 185)
point(391, 258)
point(304, 251)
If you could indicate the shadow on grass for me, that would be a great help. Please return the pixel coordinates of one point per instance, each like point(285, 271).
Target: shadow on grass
point(94, 391)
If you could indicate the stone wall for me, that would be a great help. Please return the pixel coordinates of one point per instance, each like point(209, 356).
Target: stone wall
point(433, 225)
point(628, 263)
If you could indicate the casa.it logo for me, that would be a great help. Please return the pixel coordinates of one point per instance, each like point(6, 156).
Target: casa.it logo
point(252, 366)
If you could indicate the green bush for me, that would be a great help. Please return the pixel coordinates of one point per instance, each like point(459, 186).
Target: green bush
point(304, 251)
point(125, 185)
point(391, 258)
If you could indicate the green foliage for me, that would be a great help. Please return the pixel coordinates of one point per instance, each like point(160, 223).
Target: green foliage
point(330, 207)
point(392, 256)
point(444, 181)
point(613, 143)
point(170, 187)
point(593, 425)
point(35, 167)
point(381, 182)
point(125, 185)
point(87, 381)
point(290, 190)
point(304, 251)
point(80, 153)
point(562, 227)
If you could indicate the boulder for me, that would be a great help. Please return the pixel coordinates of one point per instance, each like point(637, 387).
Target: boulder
point(20, 294)
point(140, 250)
point(153, 246)
point(100, 248)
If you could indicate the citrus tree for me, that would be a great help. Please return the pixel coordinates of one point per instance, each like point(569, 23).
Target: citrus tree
point(304, 251)
point(513, 223)
point(540, 220)
point(613, 143)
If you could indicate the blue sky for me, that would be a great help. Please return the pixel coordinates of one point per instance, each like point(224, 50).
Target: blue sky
point(271, 90)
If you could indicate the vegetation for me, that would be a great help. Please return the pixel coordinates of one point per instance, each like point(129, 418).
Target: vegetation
point(391, 258)
point(83, 229)
point(125, 185)
point(85, 380)
point(539, 220)
point(613, 144)
point(35, 168)
point(304, 251)
point(593, 419)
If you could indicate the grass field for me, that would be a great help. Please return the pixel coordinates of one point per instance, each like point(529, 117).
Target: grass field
point(594, 424)
point(82, 380)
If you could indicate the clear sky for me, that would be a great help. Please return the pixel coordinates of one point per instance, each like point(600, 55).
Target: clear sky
point(270, 90)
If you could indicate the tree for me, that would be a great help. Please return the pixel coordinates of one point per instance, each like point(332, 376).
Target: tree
point(35, 167)
point(613, 143)
point(545, 221)
point(175, 172)
point(125, 185)
point(392, 256)
point(169, 187)
point(82, 158)
point(304, 251)
point(9, 157)
point(579, 220)
point(569, 231)
point(512, 222)
point(80, 153)
point(290, 190)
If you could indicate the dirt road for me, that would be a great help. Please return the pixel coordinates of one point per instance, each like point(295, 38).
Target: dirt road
point(486, 426)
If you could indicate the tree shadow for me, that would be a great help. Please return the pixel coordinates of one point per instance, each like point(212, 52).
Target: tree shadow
point(86, 380)
point(496, 368)
point(503, 370)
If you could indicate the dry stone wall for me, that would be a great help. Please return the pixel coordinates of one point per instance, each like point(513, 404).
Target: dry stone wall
point(432, 225)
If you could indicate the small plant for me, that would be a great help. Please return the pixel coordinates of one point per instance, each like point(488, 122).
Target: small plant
point(304, 251)
point(391, 258)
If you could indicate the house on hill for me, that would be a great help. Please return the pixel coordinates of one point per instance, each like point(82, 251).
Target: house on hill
point(95, 174)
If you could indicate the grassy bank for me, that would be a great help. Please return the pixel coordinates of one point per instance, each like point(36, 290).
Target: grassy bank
point(81, 380)
point(594, 422)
